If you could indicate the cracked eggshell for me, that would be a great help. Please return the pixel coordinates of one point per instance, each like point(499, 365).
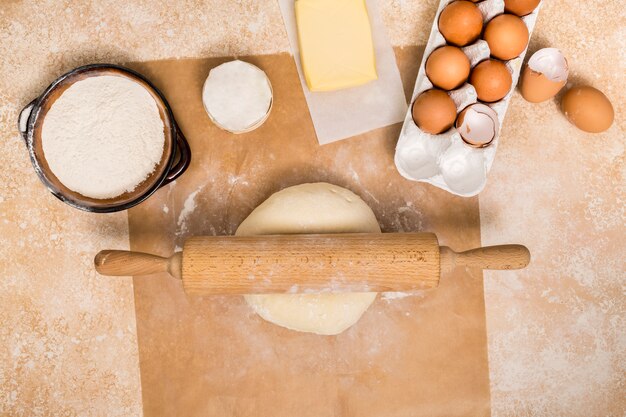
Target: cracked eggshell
point(544, 76)
point(463, 169)
point(478, 125)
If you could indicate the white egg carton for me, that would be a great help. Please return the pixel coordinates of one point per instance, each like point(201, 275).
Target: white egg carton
point(445, 160)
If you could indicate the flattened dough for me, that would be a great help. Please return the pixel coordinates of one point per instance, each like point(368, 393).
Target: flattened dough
point(311, 208)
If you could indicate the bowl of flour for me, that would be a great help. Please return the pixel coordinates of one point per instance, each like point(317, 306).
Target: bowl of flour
point(102, 138)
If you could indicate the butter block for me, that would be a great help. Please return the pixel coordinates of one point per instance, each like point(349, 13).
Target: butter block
point(335, 39)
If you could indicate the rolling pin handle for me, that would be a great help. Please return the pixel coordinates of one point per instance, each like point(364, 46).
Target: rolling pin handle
point(500, 257)
point(127, 263)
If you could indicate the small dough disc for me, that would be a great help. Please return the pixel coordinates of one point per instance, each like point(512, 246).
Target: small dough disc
point(237, 96)
point(311, 208)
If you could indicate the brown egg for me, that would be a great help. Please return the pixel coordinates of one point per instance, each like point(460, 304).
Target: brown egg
point(434, 111)
point(461, 23)
point(520, 7)
point(507, 36)
point(447, 67)
point(491, 79)
point(588, 109)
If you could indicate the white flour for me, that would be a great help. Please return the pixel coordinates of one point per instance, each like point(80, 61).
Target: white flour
point(103, 136)
point(188, 207)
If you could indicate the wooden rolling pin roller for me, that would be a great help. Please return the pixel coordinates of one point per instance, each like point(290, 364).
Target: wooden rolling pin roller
point(354, 262)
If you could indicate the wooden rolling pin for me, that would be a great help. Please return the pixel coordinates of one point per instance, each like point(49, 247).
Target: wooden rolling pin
point(355, 262)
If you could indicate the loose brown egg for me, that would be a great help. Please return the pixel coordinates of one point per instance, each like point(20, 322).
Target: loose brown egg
point(491, 79)
point(507, 36)
point(461, 23)
point(434, 111)
point(520, 7)
point(544, 76)
point(447, 67)
point(588, 109)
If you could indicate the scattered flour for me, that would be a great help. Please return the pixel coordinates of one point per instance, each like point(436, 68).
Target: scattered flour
point(387, 296)
point(188, 207)
point(390, 296)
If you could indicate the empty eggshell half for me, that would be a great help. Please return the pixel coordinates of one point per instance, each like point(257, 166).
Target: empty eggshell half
point(544, 76)
point(463, 169)
point(478, 125)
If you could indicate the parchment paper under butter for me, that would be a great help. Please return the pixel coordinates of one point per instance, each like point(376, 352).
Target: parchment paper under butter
point(345, 113)
point(423, 354)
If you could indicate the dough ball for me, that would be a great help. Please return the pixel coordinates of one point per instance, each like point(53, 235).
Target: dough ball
point(311, 208)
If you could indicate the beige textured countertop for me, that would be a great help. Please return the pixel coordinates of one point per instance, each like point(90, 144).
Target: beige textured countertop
point(556, 330)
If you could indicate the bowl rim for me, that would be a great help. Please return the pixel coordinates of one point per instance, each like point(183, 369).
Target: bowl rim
point(35, 112)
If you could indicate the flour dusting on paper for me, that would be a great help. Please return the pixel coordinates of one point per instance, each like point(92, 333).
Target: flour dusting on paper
point(188, 207)
point(390, 296)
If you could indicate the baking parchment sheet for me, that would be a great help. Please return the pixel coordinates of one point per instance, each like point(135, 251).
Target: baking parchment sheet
point(423, 354)
point(345, 113)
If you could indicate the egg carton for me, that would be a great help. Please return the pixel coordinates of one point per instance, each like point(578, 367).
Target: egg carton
point(445, 160)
